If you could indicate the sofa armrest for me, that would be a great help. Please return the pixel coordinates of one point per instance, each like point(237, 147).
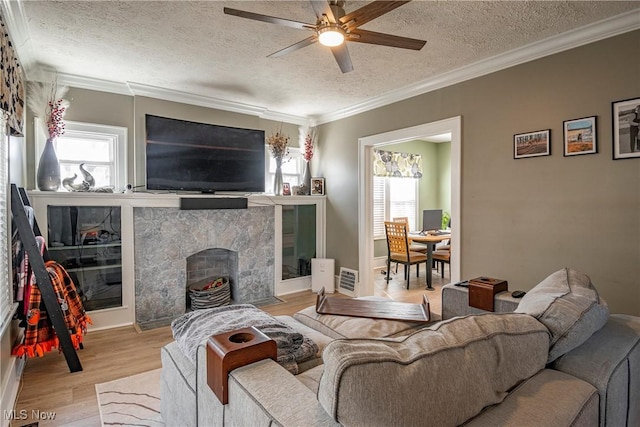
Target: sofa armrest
point(610, 361)
point(267, 386)
point(260, 394)
point(455, 302)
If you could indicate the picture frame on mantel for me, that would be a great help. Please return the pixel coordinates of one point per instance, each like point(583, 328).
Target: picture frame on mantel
point(532, 144)
point(580, 136)
point(317, 186)
point(626, 123)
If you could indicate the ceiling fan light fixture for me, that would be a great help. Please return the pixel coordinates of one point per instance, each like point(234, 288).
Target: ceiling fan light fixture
point(331, 36)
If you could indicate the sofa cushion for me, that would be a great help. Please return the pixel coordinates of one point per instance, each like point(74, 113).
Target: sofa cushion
point(610, 360)
point(338, 327)
point(311, 378)
point(569, 306)
point(549, 398)
point(441, 375)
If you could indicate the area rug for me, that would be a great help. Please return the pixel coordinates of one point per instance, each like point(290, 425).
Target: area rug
point(131, 401)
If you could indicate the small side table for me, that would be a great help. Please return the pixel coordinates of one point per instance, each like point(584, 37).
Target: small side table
point(483, 289)
point(230, 350)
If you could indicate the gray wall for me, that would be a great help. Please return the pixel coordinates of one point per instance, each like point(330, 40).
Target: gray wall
point(521, 219)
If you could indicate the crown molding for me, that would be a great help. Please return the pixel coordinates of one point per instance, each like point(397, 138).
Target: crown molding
point(600, 30)
point(16, 22)
point(139, 89)
point(82, 82)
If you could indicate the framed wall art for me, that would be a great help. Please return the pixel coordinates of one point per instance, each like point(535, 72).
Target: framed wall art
point(580, 136)
point(317, 186)
point(532, 144)
point(626, 121)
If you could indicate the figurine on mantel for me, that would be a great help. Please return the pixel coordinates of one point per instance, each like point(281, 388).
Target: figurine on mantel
point(87, 183)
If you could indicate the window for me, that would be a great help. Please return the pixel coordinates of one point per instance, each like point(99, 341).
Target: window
point(291, 168)
point(393, 197)
point(101, 148)
point(6, 286)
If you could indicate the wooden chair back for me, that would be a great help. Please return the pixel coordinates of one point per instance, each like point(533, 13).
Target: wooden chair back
point(397, 237)
point(401, 219)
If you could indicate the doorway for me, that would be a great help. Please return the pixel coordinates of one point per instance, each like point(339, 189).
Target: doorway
point(365, 193)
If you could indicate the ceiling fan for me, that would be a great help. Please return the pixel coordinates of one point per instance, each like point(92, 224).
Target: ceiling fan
point(333, 27)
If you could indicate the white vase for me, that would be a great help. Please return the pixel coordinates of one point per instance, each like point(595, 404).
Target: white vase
point(277, 180)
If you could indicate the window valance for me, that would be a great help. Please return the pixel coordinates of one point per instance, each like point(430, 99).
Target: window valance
point(389, 163)
point(11, 86)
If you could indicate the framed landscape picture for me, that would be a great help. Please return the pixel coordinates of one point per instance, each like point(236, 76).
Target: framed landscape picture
point(532, 144)
point(580, 136)
point(626, 121)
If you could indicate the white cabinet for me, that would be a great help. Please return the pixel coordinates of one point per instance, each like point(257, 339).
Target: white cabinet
point(90, 235)
point(300, 237)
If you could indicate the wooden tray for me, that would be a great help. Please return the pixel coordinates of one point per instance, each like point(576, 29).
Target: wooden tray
point(387, 310)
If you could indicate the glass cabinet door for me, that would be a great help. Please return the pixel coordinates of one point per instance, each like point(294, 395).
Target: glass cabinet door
point(85, 240)
point(298, 240)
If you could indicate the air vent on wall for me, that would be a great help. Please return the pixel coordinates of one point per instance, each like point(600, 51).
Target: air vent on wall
point(348, 280)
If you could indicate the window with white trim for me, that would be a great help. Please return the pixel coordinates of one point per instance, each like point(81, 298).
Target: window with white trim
point(292, 168)
point(6, 285)
point(102, 149)
point(392, 198)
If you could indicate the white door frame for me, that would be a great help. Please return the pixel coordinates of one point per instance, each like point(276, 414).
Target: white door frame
point(365, 192)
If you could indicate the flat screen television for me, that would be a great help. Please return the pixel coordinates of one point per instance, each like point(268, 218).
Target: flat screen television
point(189, 156)
point(431, 219)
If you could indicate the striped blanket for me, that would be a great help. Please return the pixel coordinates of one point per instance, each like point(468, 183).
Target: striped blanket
point(195, 327)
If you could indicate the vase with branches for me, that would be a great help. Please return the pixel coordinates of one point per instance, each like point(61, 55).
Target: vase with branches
point(47, 102)
point(309, 146)
point(279, 146)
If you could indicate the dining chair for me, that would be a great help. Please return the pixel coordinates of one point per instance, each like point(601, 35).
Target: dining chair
point(413, 247)
point(398, 250)
point(442, 256)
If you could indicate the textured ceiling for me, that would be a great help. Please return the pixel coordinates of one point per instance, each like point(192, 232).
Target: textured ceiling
point(193, 47)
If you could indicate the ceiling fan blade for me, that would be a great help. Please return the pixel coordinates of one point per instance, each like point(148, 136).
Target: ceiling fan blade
point(302, 43)
point(269, 19)
point(370, 12)
point(321, 7)
point(341, 53)
point(372, 37)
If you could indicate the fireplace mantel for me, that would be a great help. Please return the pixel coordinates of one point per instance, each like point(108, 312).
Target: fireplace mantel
point(132, 204)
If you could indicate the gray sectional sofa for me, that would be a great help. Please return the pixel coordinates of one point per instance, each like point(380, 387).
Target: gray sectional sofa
point(559, 359)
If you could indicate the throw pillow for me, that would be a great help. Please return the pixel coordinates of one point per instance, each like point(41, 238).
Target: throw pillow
point(569, 306)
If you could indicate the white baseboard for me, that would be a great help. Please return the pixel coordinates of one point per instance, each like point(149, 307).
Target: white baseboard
point(294, 285)
point(10, 389)
point(380, 262)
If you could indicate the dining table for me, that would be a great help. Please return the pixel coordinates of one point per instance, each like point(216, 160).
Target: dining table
point(430, 239)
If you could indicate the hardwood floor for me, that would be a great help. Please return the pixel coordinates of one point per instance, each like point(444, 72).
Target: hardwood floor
point(48, 386)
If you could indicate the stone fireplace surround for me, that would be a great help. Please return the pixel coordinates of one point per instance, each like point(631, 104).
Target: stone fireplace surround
point(165, 237)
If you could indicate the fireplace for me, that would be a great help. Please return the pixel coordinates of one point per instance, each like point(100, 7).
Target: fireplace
point(208, 265)
point(166, 237)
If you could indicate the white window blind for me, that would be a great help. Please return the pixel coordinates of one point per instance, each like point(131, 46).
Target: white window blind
point(392, 198)
point(379, 206)
point(6, 299)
